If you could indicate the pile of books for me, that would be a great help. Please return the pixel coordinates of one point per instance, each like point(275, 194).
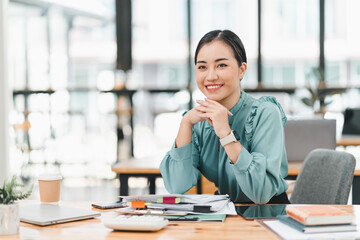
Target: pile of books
point(318, 218)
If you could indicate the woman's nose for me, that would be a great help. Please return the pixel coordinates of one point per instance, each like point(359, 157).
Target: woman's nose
point(212, 75)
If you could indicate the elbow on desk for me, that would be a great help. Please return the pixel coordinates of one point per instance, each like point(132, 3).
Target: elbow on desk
point(261, 200)
point(175, 187)
point(260, 197)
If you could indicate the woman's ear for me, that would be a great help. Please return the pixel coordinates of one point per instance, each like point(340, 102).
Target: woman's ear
point(243, 68)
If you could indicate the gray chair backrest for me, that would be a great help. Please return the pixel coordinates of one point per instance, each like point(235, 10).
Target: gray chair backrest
point(303, 136)
point(325, 178)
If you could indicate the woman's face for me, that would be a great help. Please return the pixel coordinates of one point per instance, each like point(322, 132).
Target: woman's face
point(218, 73)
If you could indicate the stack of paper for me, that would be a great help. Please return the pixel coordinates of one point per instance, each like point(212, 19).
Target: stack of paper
point(192, 207)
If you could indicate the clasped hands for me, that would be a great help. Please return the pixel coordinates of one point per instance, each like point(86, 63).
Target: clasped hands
point(213, 112)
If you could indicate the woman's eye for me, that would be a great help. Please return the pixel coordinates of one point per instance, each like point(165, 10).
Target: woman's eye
point(222, 65)
point(201, 67)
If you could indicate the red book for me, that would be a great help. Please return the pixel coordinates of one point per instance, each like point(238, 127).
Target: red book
point(319, 215)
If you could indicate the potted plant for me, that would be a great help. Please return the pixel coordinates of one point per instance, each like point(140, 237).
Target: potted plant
point(10, 192)
point(319, 91)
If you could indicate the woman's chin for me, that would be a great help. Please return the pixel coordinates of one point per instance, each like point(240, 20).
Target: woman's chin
point(213, 98)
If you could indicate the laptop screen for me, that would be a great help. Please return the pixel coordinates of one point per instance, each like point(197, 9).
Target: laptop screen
point(351, 122)
point(303, 135)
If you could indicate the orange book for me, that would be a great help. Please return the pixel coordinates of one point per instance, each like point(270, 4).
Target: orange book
point(319, 215)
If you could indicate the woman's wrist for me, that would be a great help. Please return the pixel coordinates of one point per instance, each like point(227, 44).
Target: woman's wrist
point(186, 122)
point(224, 133)
point(185, 133)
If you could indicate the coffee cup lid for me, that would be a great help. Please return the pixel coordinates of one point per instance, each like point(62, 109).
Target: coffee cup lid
point(49, 176)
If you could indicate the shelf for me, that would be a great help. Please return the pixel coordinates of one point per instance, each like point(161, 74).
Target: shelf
point(28, 92)
point(275, 90)
point(151, 90)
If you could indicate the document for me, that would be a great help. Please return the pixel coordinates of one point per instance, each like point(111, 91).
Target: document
point(184, 198)
point(179, 204)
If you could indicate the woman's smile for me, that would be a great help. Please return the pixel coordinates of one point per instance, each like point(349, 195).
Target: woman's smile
point(213, 87)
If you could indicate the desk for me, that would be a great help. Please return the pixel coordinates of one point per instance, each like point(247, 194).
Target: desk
point(234, 227)
point(348, 141)
point(294, 169)
point(150, 169)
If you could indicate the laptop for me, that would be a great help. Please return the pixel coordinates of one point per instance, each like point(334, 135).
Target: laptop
point(351, 122)
point(304, 135)
point(48, 214)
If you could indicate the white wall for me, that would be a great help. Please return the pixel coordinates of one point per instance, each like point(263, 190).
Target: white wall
point(4, 95)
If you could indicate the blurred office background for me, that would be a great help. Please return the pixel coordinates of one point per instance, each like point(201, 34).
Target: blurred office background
point(77, 108)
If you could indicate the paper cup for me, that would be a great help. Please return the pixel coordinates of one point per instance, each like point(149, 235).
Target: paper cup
point(49, 188)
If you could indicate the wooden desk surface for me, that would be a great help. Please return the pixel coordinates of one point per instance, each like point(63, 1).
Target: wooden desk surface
point(294, 169)
point(348, 141)
point(234, 227)
point(149, 167)
point(136, 166)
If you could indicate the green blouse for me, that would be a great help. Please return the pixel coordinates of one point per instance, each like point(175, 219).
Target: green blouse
point(259, 172)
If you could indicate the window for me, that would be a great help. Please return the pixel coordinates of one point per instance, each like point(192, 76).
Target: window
point(290, 33)
point(60, 119)
point(342, 38)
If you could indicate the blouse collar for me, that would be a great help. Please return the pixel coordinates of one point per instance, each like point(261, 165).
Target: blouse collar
point(238, 106)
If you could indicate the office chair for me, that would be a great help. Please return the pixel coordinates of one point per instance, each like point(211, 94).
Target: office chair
point(325, 178)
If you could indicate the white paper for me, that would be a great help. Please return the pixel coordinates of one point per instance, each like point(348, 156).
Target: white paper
point(289, 233)
point(185, 198)
point(223, 207)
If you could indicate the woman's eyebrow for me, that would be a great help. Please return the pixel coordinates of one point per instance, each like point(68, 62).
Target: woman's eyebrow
point(217, 60)
point(221, 59)
point(200, 62)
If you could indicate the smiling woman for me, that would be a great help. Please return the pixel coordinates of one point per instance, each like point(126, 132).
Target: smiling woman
point(234, 140)
point(218, 73)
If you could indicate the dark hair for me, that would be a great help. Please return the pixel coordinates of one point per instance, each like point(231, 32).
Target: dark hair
point(227, 37)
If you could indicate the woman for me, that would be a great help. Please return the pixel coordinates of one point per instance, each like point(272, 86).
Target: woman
point(234, 140)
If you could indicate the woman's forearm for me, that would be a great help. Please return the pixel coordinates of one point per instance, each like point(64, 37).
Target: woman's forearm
point(233, 150)
point(184, 135)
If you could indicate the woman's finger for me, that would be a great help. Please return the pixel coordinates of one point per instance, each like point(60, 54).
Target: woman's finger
point(209, 103)
point(204, 115)
point(217, 104)
point(202, 103)
point(203, 109)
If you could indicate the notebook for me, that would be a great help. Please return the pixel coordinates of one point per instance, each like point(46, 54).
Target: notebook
point(48, 214)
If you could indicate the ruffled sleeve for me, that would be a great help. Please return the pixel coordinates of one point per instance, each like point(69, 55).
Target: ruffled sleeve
point(180, 167)
point(262, 165)
point(249, 125)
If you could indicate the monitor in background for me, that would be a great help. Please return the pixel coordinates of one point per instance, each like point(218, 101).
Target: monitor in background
point(303, 136)
point(351, 122)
